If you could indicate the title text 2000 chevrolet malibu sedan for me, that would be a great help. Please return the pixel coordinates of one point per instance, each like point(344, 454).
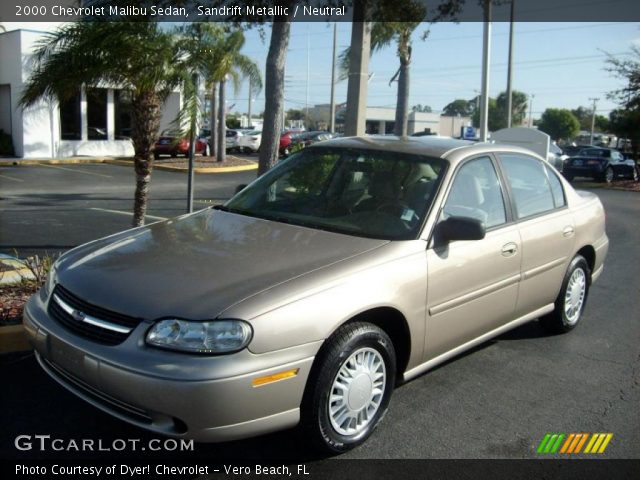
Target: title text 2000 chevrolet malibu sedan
point(350, 267)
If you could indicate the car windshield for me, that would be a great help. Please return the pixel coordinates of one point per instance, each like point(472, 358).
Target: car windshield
point(367, 193)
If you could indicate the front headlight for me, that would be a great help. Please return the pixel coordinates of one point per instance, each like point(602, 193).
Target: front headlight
point(216, 336)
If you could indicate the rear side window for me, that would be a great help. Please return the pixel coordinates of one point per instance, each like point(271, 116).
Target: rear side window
point(556, 188)
point(530, 186)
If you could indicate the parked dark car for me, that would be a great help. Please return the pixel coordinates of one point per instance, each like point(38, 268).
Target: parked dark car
point(602, 164)
point(170, 143)
point(572, 150)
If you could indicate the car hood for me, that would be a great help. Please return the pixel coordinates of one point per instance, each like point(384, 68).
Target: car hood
point(196, 266)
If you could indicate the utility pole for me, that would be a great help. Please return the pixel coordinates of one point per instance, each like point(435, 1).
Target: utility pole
point(593, 118)
point(332, 107)
point(355, 120)
point(306, 99)
point(486, 58)
point(249, 108)
point(193, 123)
point(531, 110)
point(510, 68)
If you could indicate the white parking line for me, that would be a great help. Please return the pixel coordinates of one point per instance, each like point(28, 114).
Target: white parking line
point(119, 212)
point(12, 178)
point(75, 171)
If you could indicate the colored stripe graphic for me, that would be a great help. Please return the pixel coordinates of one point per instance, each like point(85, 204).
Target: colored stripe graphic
point(572, 443)
point(598, 442)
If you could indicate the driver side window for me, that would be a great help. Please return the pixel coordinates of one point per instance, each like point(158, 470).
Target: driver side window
point(476, 193)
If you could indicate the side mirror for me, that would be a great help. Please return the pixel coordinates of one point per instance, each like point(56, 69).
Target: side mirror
point(239, 188)
point(459, 228)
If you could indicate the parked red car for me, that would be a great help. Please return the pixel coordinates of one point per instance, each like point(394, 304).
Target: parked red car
point(285, 141)
point(169, 143)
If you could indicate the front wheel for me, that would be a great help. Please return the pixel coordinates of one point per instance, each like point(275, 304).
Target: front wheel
point(572, 298)
point(350, 386)
point(609, 175)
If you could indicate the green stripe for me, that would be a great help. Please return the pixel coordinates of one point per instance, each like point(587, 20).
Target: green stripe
point(550, 443)
point(543, 443)
point(558, 442)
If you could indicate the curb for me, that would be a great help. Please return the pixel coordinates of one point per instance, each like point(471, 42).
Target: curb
point(122, 163)
point(13, 339)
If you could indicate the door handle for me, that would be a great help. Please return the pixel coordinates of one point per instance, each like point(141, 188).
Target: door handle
point(509, 249)
point(568, 231)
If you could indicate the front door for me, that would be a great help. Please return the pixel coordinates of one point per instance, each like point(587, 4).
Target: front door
point(473, 285)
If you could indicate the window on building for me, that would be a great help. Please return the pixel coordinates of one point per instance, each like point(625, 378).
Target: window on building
point(122, 110)
point(70, 118)
point(97, 113)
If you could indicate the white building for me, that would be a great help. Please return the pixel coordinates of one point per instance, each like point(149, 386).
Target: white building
point(96, 122)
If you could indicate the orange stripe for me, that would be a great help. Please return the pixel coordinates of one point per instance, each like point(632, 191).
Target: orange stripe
point(567, 442)
point(605, 443)
point(584, 439)
point(574, 443)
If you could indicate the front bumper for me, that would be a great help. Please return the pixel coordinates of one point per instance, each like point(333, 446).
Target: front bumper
point(206, 398)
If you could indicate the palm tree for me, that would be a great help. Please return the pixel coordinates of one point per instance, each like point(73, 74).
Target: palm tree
point(214, 52)
point(140, 57)
point(383, 34)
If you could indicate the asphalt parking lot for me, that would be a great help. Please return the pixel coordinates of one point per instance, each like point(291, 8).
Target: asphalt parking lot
point(496, 401)
point(41, 202)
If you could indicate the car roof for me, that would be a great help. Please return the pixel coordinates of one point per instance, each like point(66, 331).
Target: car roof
point(440, 147)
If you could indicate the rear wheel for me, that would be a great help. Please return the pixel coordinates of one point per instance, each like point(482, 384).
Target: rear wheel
point(572, 298)
point(350, 386)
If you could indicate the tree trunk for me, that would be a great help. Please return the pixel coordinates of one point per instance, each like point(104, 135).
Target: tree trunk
point(274, 95)
point(222, 126)
point(402, 103)
point(213, 124)
point(146, 115)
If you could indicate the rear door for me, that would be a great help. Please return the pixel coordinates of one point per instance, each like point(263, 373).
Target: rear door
point(545, 225)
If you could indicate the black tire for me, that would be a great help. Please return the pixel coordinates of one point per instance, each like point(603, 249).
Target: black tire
point(558, 321)
point(635, 176)
point(352, 339)
point(568, 177)
point(609, 175)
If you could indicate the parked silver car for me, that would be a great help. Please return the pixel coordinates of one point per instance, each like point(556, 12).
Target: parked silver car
point(349, 268)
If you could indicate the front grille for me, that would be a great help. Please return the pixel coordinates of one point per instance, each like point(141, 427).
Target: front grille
point(125, 409)
point(87, 330)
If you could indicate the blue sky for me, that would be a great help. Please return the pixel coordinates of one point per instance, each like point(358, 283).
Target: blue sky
point(562, 64)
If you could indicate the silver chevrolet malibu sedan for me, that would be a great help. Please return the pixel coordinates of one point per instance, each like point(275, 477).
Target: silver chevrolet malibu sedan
point(353, 266)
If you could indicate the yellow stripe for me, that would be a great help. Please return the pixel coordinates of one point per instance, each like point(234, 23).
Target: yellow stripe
point(591, 442)
point(567, 442)
point(595, 447)
point(606, 442)
point(582, 440)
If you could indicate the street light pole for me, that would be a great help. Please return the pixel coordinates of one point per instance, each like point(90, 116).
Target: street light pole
point(593, 118)
point(332, 107)
point(531, 110)
point(510, 69)
point(486, 58)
